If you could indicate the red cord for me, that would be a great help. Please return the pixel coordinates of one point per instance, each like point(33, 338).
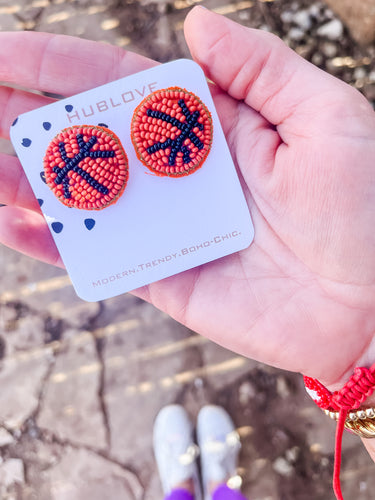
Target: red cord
point(338, 450)
point(360, 386)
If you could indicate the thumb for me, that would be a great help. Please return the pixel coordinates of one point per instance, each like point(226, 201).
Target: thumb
point(257, 67)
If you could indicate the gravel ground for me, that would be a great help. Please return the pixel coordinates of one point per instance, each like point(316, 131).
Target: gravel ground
point(155, 28)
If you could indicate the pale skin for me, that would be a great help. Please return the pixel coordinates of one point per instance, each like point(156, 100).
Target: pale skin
point(302, 296)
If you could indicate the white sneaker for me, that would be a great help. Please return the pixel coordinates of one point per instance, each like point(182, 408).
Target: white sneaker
point(219, 445)
point(175, 450)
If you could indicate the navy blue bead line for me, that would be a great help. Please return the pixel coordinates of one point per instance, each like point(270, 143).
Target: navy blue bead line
point(177, 145)
point(72, 164)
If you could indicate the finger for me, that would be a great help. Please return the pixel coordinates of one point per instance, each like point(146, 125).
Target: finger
point(13, 102)
point(27, 232)
point(257, 67)
point(62, 64)
point(14, 187)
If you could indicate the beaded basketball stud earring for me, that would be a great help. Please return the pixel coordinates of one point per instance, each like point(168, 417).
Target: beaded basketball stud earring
point(172, 132)
point(86, 167)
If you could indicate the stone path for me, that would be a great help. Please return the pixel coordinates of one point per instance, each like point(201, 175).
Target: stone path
point(81, 383)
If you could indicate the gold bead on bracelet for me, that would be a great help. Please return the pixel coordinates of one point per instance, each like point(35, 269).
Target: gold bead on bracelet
point(359, 422)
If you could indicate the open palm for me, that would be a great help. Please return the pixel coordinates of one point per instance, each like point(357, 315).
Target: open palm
point(301, 296)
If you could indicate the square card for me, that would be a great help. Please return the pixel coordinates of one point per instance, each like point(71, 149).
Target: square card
point(151, 226)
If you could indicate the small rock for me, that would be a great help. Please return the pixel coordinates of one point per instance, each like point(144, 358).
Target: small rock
point(303, 19)
point(294, 6)
point(246, 392)
point(328, 14)
point(359, 73)
point(244, 15)
point(314, 11)
point(316, 448)
point(12, 472)
point(332, 30)
point(198, 383)
point(329, 49)
point(282, 387)
point(282, 467)
point(265, 27)
point(296, 34)
point(317, 59)
point(280, 439)
point(362, 486)
point(5, 437)
point(292, 454)
point(287, 16)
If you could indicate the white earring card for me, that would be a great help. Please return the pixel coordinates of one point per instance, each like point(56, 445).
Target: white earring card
point(135, 179)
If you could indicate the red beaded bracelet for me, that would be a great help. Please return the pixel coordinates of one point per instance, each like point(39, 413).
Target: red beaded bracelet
point(359, 387)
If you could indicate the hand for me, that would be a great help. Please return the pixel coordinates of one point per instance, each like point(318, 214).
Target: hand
point(301, 296)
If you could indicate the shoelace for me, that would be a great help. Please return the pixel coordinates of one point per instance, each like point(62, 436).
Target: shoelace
point(220, 447)
point(222, 450)
point(190, 455)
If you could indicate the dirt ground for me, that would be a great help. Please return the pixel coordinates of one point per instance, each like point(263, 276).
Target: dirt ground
point(80, 384)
